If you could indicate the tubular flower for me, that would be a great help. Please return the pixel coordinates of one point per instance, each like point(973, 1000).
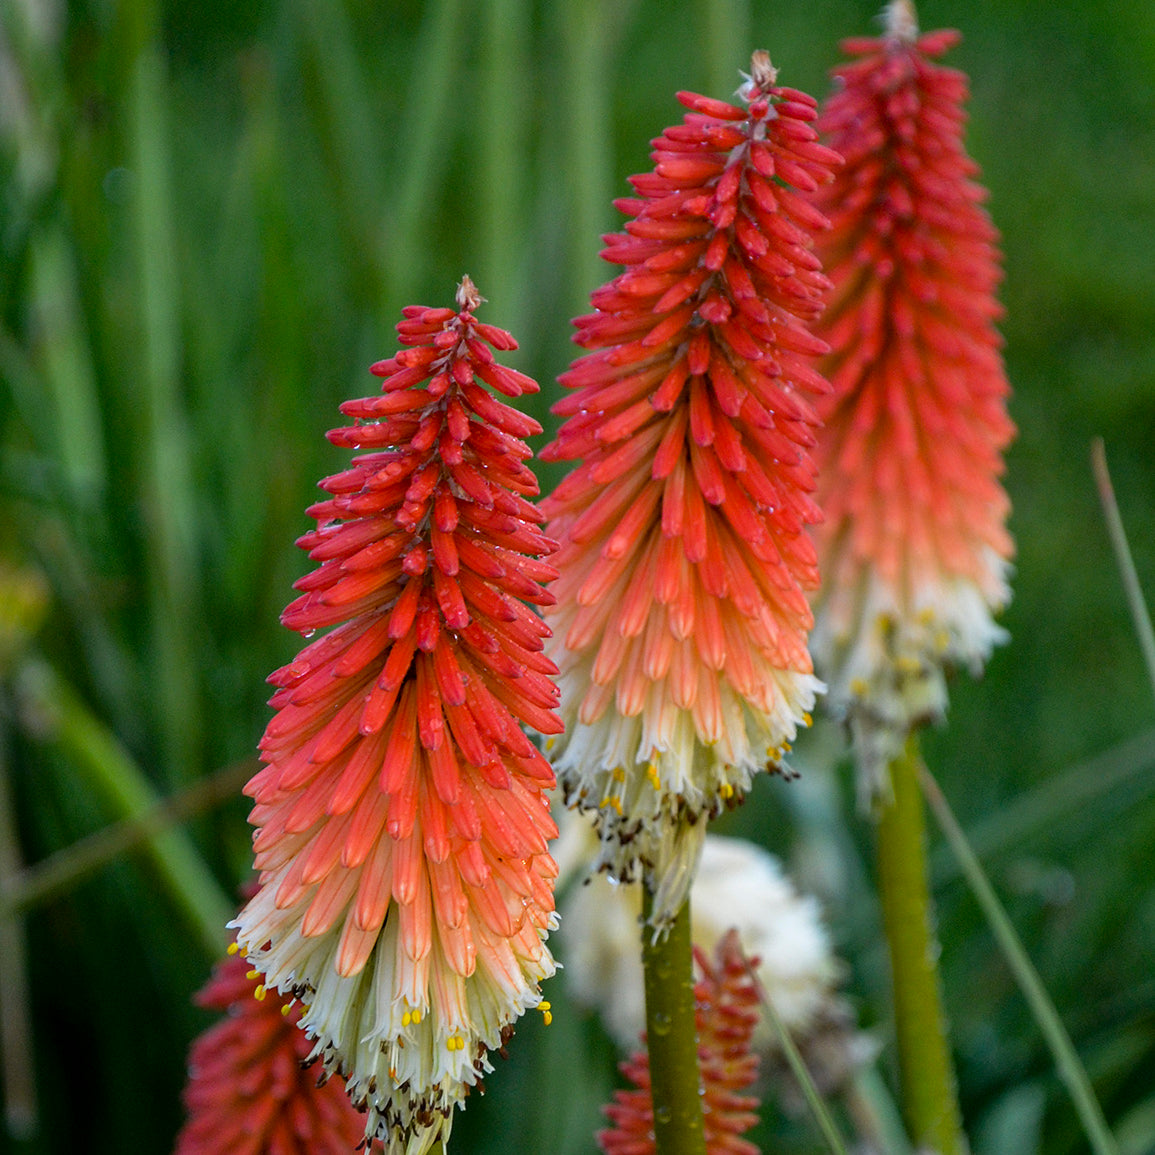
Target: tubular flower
point(402, 823)
point(726, 1012)
point(914, 550)
point(680, 627)
point(248, 1093)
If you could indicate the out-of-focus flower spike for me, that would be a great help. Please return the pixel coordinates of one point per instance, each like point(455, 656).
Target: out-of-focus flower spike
point(727, 1012)
point(680, 624)
point(401, 815)
point(913, 550)
point(249, 1090)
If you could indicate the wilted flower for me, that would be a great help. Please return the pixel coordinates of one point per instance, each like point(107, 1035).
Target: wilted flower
point(249, 1090)
point(681, 618)
point(738, 886)
point(726, 1013)
point(914, 551)
point(402, 823)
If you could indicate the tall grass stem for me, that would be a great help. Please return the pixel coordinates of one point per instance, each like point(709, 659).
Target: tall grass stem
point(1139, 612)
point(1067, 1062)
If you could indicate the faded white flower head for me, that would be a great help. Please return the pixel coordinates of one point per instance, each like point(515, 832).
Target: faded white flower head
point(740, 885)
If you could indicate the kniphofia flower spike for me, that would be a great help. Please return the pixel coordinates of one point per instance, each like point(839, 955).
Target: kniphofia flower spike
point(401, 819)
point(681, 621)
point(914, 551)
point(726, 999)
point(248, 1093)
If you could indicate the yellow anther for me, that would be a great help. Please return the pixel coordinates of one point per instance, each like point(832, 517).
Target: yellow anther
point(807, 719)
point(417, 1016)
point(908, 665)
point(259, 992)
point(550, 743)
point(393, 1074)
point(406, 1018)
point(286, 1008)
point(942, 640)
point(925, 615)
point(653, 776)
point(253, 974)
point(234, 948)
point(859, 687)
point(726, 790)
point(618, 775)
point(616, 803)
point(455, 1043)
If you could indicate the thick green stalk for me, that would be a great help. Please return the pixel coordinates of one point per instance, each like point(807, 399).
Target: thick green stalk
point(672, 1035)
point(929, 1099)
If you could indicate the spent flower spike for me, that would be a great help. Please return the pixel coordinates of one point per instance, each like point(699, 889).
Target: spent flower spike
point(402, 820)
point(738, 886)
point(681, 621)
point(726, 1010)
point(249, 1090)
point(914, 551)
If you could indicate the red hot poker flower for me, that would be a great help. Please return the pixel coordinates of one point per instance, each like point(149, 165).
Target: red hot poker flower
point(681, 621)
point(726, 1012)
point(248, 1092)
point(914, 550)
point(401, 817)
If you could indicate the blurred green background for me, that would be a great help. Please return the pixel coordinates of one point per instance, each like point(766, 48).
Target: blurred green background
point(210, 217)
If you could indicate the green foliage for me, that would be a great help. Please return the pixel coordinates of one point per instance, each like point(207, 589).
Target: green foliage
point(210, 217)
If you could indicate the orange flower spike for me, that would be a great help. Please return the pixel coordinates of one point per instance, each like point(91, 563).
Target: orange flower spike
point(914, 551)
point(248, 1092)
point(726, 1012)
point(401, 814)
point(680, 624)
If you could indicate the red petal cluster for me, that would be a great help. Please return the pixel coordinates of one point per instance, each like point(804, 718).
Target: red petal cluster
point(684, 555)
point(911, 450)
point(726, 1013)
point(397, 735)
point(406, 881)
point(248, 1092)
point(691, 424)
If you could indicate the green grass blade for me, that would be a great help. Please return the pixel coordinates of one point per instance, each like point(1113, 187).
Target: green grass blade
point(167, 481)
point(1067, 1062)
point(1138, 606)
point(814, 1100)
point(727, 48)
point(109, 771)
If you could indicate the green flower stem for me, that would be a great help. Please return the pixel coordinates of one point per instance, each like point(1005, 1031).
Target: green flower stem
point(672, 1035)
point(929, 1100)
point(1067, 1063)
